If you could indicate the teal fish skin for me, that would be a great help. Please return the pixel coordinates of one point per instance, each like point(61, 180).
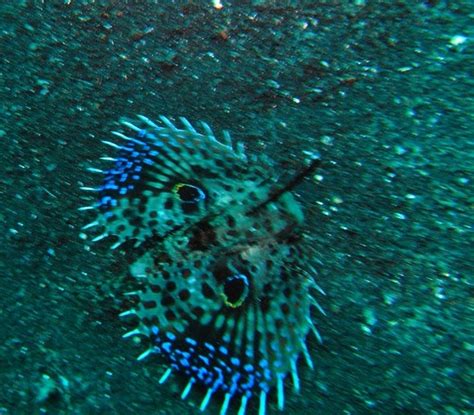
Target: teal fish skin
point(225, 284)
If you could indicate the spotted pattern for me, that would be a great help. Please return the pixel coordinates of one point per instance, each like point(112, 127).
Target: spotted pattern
point(225, 285)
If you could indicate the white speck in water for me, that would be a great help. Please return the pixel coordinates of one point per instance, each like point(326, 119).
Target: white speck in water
point(457, 40)
point(370, 318)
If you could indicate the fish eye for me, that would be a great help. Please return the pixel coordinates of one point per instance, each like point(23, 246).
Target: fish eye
point(236, 289)
point(188, 193)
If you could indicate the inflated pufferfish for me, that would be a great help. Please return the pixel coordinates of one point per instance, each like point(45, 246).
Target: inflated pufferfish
point(225, 285)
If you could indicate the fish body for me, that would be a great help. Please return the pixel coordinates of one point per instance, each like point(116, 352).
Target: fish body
point(225, 280)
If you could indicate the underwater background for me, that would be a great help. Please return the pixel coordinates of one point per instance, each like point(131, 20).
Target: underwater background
point(381, 89)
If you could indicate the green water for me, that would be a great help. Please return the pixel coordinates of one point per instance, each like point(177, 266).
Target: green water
point(381, 89)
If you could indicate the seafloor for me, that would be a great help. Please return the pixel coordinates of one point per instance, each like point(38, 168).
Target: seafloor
point(382, 89)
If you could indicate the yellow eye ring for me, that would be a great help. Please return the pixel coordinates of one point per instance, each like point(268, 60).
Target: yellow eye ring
point(236, 290)
point(188, 193)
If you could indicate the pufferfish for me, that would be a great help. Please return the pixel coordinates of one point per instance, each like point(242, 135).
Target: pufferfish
point(225, 279)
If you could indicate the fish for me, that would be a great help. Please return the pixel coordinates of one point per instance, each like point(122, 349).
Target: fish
point(226, 287)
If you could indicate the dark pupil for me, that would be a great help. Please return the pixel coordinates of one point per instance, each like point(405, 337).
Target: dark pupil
point(235, 288)
point(188, 193)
